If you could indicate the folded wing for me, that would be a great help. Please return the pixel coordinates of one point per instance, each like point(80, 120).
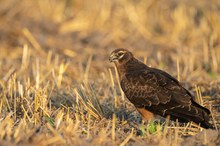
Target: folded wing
point(160, 93)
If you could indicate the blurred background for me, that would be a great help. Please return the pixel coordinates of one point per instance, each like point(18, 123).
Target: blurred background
point(164, 34)
point(55, 72)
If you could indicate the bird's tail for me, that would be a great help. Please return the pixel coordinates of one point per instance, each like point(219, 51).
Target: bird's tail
point(207, 125)
point(197, 114)
point(185, 113)
point(205, 113)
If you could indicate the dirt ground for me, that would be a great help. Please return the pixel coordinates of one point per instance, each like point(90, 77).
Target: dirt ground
point(57, 86)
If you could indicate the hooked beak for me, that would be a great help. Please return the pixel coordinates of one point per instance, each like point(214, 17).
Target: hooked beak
point(113, 57)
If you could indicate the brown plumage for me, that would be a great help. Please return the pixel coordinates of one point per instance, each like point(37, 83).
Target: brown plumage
point(153, 91)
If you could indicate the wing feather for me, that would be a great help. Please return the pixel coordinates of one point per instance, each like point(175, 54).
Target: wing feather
point(160, 93)
point(155, 90)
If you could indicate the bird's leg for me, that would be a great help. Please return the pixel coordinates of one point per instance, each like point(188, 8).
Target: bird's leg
point(145, 114)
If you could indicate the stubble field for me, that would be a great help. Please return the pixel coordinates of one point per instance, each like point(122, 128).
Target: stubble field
point(57, 86)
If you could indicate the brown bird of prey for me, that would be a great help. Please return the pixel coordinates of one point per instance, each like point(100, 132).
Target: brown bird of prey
point(155, 92)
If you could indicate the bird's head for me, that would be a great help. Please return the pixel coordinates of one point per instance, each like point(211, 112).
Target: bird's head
point(120, 56)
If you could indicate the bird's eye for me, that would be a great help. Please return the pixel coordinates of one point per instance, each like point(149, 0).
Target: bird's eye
point(120, 54)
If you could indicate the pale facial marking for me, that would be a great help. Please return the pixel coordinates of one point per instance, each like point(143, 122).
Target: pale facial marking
point(121, 54)
point(116, 56)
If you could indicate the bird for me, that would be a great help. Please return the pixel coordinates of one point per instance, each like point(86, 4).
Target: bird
point(155, 92)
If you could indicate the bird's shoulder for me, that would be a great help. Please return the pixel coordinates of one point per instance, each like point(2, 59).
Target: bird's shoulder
point(151, 76)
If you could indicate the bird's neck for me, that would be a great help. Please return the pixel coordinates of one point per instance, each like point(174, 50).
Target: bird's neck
point(131, 65)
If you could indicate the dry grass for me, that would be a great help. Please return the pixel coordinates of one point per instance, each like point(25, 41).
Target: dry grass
point(58, 88)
